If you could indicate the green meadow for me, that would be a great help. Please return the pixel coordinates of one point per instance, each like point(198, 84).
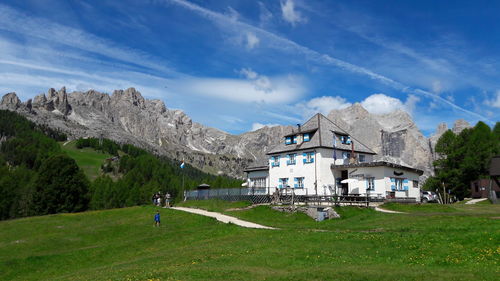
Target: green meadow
point(430, 242)
point(88, 159)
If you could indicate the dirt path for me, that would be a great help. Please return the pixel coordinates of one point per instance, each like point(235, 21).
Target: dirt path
point(222, 218)
point(378, 209)
point(474, 201)
point(64, 144)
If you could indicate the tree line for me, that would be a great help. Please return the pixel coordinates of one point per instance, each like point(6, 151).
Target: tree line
point(463, 158)
point(38, 178)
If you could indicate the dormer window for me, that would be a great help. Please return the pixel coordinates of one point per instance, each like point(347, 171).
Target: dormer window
point(288, 140)
point(307, 137)
point(345, 139)
point(294, 139)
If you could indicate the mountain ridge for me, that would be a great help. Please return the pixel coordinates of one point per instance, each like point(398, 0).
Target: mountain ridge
point(126, 116)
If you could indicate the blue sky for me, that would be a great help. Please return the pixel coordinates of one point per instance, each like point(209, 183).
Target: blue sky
point(239, 65)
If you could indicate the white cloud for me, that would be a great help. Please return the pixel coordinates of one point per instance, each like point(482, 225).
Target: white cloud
point(256, 126)
point(495, 102)
point(265, 15)
point(323, 105)
point(232, 13)
point(252, 40)
point(261, 82)
point(383, 104)
point(249, 73)
point(274, 90)
point(289, 13)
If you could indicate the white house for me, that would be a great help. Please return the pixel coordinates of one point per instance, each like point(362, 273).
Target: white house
point(320, 158)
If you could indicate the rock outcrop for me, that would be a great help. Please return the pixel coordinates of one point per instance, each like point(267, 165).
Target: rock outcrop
point(10, 101)
point(127, 117)
point(394, 136)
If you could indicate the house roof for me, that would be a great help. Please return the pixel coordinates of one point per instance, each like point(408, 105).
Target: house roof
point(378, 164)
point(256, 168)
point(495, 166)
point(321, 130)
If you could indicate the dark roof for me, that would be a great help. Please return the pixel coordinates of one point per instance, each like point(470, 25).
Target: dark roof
point(256, 168)
point(321, 130)
point(378, 164)
point(495, 166)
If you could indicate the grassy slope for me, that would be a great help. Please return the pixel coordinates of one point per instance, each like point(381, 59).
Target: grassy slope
point(88, 159)
point(122, 244)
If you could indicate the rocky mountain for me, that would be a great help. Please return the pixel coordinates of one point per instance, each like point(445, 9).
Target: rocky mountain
point(126, 117)
point(458, 127)
point(394, 136)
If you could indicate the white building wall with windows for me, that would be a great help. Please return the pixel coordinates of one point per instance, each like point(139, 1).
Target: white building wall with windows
point(384, 181)
point(300, 169)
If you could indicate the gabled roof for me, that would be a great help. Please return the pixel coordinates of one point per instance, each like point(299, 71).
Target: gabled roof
point(377, 164)
point(321, 130)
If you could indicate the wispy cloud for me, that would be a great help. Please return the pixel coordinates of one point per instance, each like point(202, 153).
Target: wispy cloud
point(258, 90)
point(22, 24)
point(282, 43)
point(252, 40)
point(290, 14)
point(323, 104)
point(495, 101)
point(256, 126)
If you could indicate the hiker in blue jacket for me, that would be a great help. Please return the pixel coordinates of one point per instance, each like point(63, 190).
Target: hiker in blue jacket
point(157, 218)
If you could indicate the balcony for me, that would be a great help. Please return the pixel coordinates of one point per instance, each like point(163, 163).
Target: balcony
point(291, 162)
point(308, 161)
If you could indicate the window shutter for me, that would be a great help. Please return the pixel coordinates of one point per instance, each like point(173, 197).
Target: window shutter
point(393, 187)
point(306, 137)
point(393, 180)
point(312, 160)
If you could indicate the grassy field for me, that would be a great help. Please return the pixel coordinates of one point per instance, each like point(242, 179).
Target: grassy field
point(122, 244)
point(88, 159)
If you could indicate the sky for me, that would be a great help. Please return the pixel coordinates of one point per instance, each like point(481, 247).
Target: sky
point(240, 65)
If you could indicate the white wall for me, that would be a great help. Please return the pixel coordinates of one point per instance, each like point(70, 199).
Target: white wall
point(383, 182)
point(292, 171)
point(258, 174)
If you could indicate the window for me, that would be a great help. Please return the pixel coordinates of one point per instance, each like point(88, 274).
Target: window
point(299, 182)
point(294, 139)
point(362, 158)
point(288, 140)
point(415, 184)
point(370, 183)
point(345, 139)
point(346, 155)
point(258, 182)
point(399, 184)
point(275, 161)
point(306, 137)
point(283, 183)
point(308, 157)
point(291, 159)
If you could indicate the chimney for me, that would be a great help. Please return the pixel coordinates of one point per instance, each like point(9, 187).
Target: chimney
point(298, 127)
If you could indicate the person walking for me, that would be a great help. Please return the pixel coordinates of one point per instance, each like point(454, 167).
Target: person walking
point(157, 219)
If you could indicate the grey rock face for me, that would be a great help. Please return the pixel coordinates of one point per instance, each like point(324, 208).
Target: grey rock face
point(127, 117)
point(394, 136)
point(10, 101)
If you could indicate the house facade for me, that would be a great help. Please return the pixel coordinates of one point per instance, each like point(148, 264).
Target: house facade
point(320, 158)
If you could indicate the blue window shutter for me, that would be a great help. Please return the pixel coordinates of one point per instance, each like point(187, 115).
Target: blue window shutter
point(304, 154)
point(312, 160)
point(405, 181)
point(405, 187)
point(296, 185)
point(393, 180)
point(393, 187)
point(304, 161)
point(280, 186)
point(306, 137)
point(296, 179)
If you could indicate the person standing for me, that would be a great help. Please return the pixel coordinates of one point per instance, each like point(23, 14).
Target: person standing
point(167, 200)
point(157, 219)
